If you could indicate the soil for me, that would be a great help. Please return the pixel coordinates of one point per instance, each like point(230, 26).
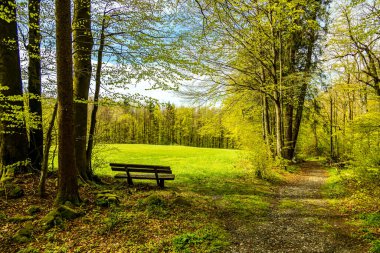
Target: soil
point(300, 220)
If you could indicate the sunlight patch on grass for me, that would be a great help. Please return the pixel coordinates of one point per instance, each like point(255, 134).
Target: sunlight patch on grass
point(290, 204)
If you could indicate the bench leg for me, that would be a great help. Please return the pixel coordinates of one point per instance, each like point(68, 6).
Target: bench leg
point(130, 182)
point(161, 183)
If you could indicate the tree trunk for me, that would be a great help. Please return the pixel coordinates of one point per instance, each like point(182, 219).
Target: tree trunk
point(82, 43)
point(45, 160)
point(332, 155)
point(34, 84)
point(266, 122)
point(304, 87)
point(289, 147)
point(90, 144)
point(279, 141)
point(67, 172)
point(13, 138)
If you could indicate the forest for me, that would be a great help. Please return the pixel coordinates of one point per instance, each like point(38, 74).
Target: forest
point(268, 114)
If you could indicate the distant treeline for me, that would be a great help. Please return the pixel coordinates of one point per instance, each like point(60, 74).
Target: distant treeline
point(163, 125)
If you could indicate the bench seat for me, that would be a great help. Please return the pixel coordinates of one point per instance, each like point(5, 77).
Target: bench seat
point(146, 176)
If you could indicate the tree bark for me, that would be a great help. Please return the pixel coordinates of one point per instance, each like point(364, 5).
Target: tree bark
point(83, 43)
point(266, 122)
point(13, 138)
point(45, 160)
point(289, 147)
point(67, 172)
point(34, 84)
point(90, 144)
point(279, 140)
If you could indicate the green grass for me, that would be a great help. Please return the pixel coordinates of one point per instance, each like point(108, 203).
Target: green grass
point(207, 171)
point(334, 187)
point(184, 160)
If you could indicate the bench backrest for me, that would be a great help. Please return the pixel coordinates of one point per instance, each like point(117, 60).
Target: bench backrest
point(141, 168)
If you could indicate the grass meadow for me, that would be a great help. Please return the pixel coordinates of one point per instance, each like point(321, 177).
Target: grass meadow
point(212, 171)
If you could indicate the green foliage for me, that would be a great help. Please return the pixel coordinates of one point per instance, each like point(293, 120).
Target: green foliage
point(207, 239)
point(335, 186)
point(13, 113)
point(163, 124)
point(371, 219)
point(375, 246)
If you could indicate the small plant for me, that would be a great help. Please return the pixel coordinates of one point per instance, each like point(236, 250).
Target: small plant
point(208, 239)
point(51, 236)
point(3, 216)
point(375, 246)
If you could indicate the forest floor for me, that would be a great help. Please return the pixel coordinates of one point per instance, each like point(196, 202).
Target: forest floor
point(300, 220)
point(223, 210)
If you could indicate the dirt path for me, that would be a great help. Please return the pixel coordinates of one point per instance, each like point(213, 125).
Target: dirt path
point(300, 220)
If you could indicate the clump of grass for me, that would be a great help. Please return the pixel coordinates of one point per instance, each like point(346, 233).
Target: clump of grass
point(375, 246)
point(154, 205)
point(115, 218)
point(290, 204)
point(244, 206)
point(292, 168)
point(207, 239)
point(371, 219)
point(28, 250)
point(3, 216)
point(335, 186)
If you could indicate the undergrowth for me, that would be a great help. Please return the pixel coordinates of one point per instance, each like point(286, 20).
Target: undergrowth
point(355, 190)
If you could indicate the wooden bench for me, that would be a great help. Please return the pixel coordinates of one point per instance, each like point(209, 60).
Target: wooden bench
point(142, 171)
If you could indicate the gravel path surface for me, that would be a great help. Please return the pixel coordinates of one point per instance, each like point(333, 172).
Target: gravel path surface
point(300, 220)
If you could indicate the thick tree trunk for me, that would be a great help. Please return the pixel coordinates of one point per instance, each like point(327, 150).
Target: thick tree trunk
point(96, 99)
point(34, 84)
point(82, 76)
point(45, 160)
point(67, 172)
point(13, 138)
